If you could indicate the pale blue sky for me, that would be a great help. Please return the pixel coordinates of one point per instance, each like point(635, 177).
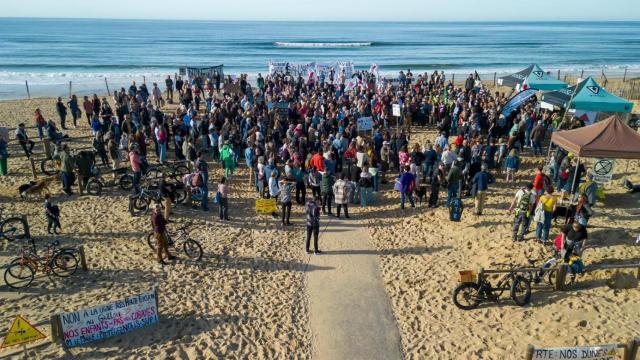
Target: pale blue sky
point(328, 10)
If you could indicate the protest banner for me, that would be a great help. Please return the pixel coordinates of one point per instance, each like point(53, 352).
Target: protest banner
point(603, 171)
point(600, 352)
point(395, 110)
point(266, 206)
point(21, 332)
point(281, 67)
point(282, 108)
point(107, 320)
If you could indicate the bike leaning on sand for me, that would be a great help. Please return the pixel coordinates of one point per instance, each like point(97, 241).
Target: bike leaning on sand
point(475, 288)
point(22, 270)
point(179, 238)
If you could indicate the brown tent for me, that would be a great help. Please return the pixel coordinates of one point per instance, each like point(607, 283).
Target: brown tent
point(610, 138)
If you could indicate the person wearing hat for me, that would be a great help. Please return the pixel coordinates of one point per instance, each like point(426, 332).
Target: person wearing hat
point(287, 185)
point(589, 189)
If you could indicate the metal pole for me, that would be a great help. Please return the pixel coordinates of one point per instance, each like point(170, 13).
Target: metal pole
point(575, 175)
point(26, 83)
point(107, 85)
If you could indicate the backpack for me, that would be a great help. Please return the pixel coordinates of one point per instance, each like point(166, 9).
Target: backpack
point(523, 204)
point(196, 179)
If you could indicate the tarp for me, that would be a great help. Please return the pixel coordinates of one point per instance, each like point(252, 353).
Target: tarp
point(589, 96)
point(533, 77)
point(610, 138)
point(516, 101)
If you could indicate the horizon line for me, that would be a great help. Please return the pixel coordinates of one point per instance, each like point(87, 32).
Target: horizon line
point(327, 21)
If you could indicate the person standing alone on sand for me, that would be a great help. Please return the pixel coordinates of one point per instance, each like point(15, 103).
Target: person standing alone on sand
point(159, 224)
point(223, 201)
point(312, 210)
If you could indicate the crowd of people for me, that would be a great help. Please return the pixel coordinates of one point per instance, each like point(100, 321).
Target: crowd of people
point(300, 141)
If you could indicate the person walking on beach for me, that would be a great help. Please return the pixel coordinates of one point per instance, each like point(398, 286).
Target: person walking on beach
point(454, 182)
point(40, 122)
point(157, 95)
point(543, 214)
point(75, 109)
point(481, 181)
point(407, 184)
point(62, 112)
point(326, 191)
point(287, 185)
point(341, 189)
point(67, 163)
point(223, 201)
point(312, 211)
point(314, 180)
point(136, 161)
point(159, 225)
point(512, 164)
point(203, 168)
point(52, 212)
point(169, 84)
point(26, 144)
point(88, 109)
point(227, 157)
point(522, 203)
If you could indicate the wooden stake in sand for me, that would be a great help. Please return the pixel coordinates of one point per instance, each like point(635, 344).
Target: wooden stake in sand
point(107, 85)
point(26, 83)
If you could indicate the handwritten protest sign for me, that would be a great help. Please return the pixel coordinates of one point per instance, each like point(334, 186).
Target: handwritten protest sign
point(602, 352)
point(107, 320)
point(266, 206)
point(365, 123)
point(395, 109)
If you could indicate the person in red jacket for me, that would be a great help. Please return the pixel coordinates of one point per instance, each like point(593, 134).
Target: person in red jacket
point(159, 224)
point(538, 182)
point(317, 161)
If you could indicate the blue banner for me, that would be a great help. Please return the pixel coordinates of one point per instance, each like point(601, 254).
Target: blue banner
point(516, 101)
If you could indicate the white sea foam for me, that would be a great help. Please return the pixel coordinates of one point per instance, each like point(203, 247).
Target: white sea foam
point(322, 44)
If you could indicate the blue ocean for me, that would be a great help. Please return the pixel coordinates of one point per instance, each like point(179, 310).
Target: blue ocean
point(48, 53)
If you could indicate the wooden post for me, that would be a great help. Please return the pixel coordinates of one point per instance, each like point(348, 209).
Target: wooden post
point(46, 143)
point(144, 79)
point(561, 276)
point(33, 167)
point(624, 77)
point(631, 349)
point(558, 74)
point(638, 273)
point(26, 83)
point(581, 73)
point(79, 180)
point(70, 87)
point(56, 329)
point(495, 75)
point(453, 79)
point(107, 85)
point(27, 231)
point(530, 350)
point(83, 258)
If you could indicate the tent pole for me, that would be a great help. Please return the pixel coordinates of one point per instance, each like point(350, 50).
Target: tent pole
point(575, 175)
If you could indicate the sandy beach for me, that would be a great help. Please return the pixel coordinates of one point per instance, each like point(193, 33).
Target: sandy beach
point(246, 299)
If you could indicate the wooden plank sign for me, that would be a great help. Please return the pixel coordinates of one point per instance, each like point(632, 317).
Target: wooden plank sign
point(21, 332)
point(107, 320)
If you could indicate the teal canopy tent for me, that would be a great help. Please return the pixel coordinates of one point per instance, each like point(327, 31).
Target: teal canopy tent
point(533, 77)
point(588, 96)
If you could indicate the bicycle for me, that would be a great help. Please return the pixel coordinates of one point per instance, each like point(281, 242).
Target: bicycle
point(22, 270)
point(191, 247)
point(140, 203)
point(476, 288)
point(12, 228)
point(153, 173)
point(97, 182)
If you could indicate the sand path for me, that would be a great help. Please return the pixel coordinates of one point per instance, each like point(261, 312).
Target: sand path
point(350, 312)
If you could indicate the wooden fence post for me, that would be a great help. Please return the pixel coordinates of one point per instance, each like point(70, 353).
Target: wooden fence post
point(631, 349)
point(107, 85)
point(33, 167)
point(56, 329)
point(27, 231)
point(561, 276)
point(83, 258)
point(453, 79)
point(26, 83)
point(529, 352)
point(558, 74)
point(581, 73)
point(70, 87)
point(624, 77)
point(495, 75)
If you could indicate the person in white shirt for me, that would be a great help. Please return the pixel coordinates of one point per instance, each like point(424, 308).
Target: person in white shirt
point(523, 203)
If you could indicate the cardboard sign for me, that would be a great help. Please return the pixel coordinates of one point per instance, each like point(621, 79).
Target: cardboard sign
point(602, 352)
point(115, 318)
point(365, 123)
point(603, 171)
point(266, 206)
point(395, 109)
point(21, 332)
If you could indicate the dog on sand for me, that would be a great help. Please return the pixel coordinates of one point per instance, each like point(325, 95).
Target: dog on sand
point(36, 187)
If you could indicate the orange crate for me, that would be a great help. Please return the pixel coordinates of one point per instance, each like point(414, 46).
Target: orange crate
point(468, 276)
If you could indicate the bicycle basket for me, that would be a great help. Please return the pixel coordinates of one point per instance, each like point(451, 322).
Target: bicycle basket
point(467, 276)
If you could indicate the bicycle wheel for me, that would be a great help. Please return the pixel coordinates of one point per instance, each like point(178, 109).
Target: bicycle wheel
point(521, 291)
point(193, 249)
point(19, 275)
point(64, 264)
point(126, 182)
point(13, 228)
point(466, 296)
point(180, 195)
point(179, 171)
point(94, 187)
point(153, 176)
point(151, 240)
point(48, 167)
point(141, 204)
